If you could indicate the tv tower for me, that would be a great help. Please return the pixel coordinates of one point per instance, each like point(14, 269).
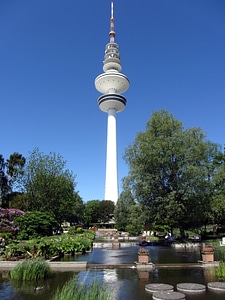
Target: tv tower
point(111, 84)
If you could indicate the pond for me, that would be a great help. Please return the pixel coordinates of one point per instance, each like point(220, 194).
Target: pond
point(123, 283)
point(128, 255)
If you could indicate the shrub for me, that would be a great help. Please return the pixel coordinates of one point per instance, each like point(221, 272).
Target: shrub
point(35, 224)
point(7, 218)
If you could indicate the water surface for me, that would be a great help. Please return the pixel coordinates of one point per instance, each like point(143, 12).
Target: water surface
point(123, 283)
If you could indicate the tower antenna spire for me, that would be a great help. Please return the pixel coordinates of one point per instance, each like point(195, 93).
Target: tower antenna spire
point(112, 32)
point(112, 10)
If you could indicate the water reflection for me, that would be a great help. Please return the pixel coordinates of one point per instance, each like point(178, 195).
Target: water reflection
point(128, 255)
point(123, 283)
point(127, 284)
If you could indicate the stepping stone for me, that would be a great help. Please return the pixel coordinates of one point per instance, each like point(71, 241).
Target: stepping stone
point(158, 287)
point(216, 286)
point(168, 296)
point(194, 288)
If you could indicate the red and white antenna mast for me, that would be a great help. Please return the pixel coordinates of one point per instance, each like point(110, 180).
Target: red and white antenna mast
point(112, 32)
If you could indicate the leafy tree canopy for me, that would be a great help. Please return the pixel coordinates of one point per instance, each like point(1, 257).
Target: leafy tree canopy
point(106, 210)
point(135, 219)
point(49, 186)
point(170, 171)
point(218, 199)
point(97, 211)
point(91, 212)
point(121, 213)
point(10, 171)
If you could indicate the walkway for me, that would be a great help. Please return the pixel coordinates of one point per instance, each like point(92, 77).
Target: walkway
point(83, 265)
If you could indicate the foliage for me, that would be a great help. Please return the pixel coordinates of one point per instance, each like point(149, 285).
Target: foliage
point(19, 200)
point(170, 172)
point(135, 219)
point(121, 212)
point(51, 246)
point(91, 212)
point(15, 165)
point(13, 251)
point(49, 185)
point(36, 224)
point(96, 211)
point(75, 290)
point(77, 217)
point(219, 253)
point(10, 171)
point(4, 186)
point(79, 230)
point(218, 199)
point(31, 269)
point(7, 217)
point(106, 210)
point(219, 271)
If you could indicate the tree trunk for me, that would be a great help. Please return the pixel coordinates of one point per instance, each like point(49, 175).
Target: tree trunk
point(182, 233)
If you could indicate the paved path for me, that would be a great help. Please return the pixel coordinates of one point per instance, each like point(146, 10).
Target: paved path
point(83, 265)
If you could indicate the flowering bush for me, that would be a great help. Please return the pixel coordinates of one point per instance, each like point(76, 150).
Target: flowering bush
point(7, 217)
point(207, 249)
point(143, 251)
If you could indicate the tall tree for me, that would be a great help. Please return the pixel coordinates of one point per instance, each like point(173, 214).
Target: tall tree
point(106, 210)
point(135, 219)
point(218, 199)
point(77, 216)
point(121, 213)
point(4, 186)
point(91, 212)
point(49, 185)
point(15, 166)
point(169, 171)
point(10, 172)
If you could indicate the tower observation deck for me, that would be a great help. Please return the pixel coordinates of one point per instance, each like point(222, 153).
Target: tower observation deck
point(111, 84)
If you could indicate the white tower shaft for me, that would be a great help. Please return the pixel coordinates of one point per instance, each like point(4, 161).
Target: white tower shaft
point(111, 84)
point(111, 181)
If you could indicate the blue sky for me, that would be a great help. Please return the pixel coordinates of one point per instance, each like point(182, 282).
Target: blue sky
point(51, 51)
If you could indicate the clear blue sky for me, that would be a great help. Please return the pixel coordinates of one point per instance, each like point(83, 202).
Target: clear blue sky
point(173, 52)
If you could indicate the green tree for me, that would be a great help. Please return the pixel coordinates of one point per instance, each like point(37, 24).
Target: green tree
point(4, 186)
point(121, 212)
point(35, 224)
point(170, 170)
point(77, 216)
point(91, 212)
point(106, 210)
point(10, 172)
point(19, 200)
point(15, 167)
point(135, 219)
point(49, 185)
point(218, 198)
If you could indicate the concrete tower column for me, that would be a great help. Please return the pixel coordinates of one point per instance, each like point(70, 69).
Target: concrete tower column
point(111, 179)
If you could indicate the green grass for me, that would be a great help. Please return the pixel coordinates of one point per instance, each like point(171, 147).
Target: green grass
point(31, 270)
point(74, 290)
